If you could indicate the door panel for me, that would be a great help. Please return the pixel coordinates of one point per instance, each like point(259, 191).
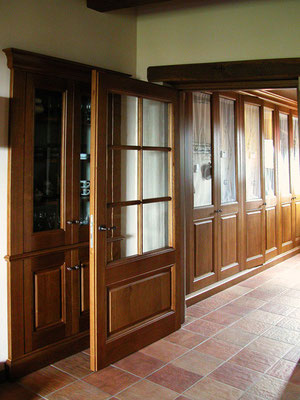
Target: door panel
point(204, 247)
point(270, 230)
point(296, 179)
point(229, 240)
point(286, 218)
point(255, 239)
point(134, 217)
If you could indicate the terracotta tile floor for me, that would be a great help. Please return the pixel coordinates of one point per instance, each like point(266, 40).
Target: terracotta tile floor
point(242, 343)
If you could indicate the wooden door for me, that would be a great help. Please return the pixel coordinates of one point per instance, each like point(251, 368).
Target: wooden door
point(134, 244)
point(285, 185)
point(201, 184)
point(47, 162)
point(254, 188)
point(229, 197)
point(270, 157)
point(296, 179)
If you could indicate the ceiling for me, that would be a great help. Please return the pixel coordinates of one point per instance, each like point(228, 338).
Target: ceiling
point(289, 93)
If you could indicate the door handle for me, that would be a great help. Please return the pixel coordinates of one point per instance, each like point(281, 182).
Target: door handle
point(218, 211)
point(264, 204)
point(294, 198)
point(75, 267)
point(104, 228)
point(73, 222)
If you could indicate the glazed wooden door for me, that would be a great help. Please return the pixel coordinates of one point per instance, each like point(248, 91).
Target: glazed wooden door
point(285, 185)
point(229, 199)
point(254, 188)
point(270, 182)
point(296, 179)
point(202, 196)
point(48, 163)
point(134, 244)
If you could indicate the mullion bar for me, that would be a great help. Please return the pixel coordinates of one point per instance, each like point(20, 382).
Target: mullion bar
point(139, 202)
point(148, 148)
point(140, 176)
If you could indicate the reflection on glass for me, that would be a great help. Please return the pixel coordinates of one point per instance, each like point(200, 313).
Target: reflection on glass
point(155, 222)
point(284, 170)
point(124, 242)
point(124, 120)
point(155, 171)
point(296, 155)
point(122, 174)
point(252, 143)
point(47, 160)
point(269, 153)
point(155, 123)
point(85, 134)
point(202, 150)
point(227, 151)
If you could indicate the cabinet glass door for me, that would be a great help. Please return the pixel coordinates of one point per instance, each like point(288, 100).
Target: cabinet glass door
point(85, 147)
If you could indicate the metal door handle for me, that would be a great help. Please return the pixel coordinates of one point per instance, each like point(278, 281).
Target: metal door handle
point(264, 204)
point(73, 222)
point(75, 267)
point(104, 228)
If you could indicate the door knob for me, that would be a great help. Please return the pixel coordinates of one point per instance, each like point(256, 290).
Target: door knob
point(104, 228)
point(264, 204)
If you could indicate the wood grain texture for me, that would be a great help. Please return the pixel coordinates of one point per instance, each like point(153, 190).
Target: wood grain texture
point(229, 226)
point(204, 247)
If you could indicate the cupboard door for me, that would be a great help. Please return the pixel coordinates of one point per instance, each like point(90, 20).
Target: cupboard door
point(255, 220)
point(287, 242)
point(47, 299)
point(48, 163)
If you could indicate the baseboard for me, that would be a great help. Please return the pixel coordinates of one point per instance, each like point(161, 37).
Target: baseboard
point(217, 287)
point(3, 376)
point(40, 358)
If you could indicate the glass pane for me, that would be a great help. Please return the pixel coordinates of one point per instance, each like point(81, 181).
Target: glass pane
point(252, 143)
point(269, 153)
point(155, 171)
point(227, 151)
point(85, 133)
point(284, 170)
point(124, 242)
point(124, 120)
point(123, 175)
point(47, 160)
point(155, 123)
point(296, 155)
point(202, 150)
point(155, 221)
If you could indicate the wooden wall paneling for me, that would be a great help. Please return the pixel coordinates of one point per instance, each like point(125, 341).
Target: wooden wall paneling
point(296, 193)
point(84, 289)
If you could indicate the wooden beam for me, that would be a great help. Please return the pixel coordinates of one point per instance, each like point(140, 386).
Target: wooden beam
point(243, 71)
point(109, 5)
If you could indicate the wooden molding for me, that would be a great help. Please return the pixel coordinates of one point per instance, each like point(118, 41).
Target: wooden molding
point(283, 69)
point(109, 5)
point(38, 63)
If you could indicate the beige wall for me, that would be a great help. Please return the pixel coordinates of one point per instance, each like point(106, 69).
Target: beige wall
point(233, 31)
point(61, 28)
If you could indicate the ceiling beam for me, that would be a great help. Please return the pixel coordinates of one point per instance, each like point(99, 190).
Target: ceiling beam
point(109, 5)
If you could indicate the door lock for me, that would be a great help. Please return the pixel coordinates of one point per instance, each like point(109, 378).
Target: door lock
point(104, 228)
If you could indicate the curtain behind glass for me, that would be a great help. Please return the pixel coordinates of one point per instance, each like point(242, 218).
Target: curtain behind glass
point(202, 150)
point(296, 155)
point(284, 170)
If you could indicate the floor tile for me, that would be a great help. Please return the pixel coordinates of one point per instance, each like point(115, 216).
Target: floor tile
point(147, 390)
point(164, 351)
point(77, 365)
point(196, 312)
point(111, 380)
point(290, 323)
point(204, 328)
point(185, 338)
point(293, 293)
point(264, 316)
point(251, 359)
point(289, 301)
point(252, 325)
point(183, 398)
point(266, 294)
point(201, 364)
point(46, 380)
point(87, 351)
point(218, 349)
point(188, 320)
point(283, 335)
point(174, 378)
point(210, 389)
point(247, 396)
point(255, 281)
point(280, 309)
point(268, 388)
point(287, 371)
point(269, 347)
point(293, 355)
point(247, 301)
point(236, 336)
point(221, 318)
point(235, 375)
point(236, 310)
point(13, 391)
point(78, 391)
point(139, 364)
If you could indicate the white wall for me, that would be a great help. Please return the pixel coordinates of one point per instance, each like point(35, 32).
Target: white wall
point(65, 29)
point(236, 30)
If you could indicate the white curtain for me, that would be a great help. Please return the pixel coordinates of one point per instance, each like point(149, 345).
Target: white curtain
point(296, 155)
point(252, 143)
point(269, 153)
point(284, 162)
point(227, 151)
point(202, 149)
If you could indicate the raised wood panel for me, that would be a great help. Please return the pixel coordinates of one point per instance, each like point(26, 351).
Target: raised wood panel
point(49, 297)
point(254, 234)
point(286, 220)
point(125, 304)
point(85, 287)
point(270, 216)
point(229, 226)
point(204, 247)
point(297, 220)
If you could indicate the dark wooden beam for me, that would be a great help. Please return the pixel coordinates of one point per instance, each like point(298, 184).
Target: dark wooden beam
point(237, 71)
point(109, 5)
